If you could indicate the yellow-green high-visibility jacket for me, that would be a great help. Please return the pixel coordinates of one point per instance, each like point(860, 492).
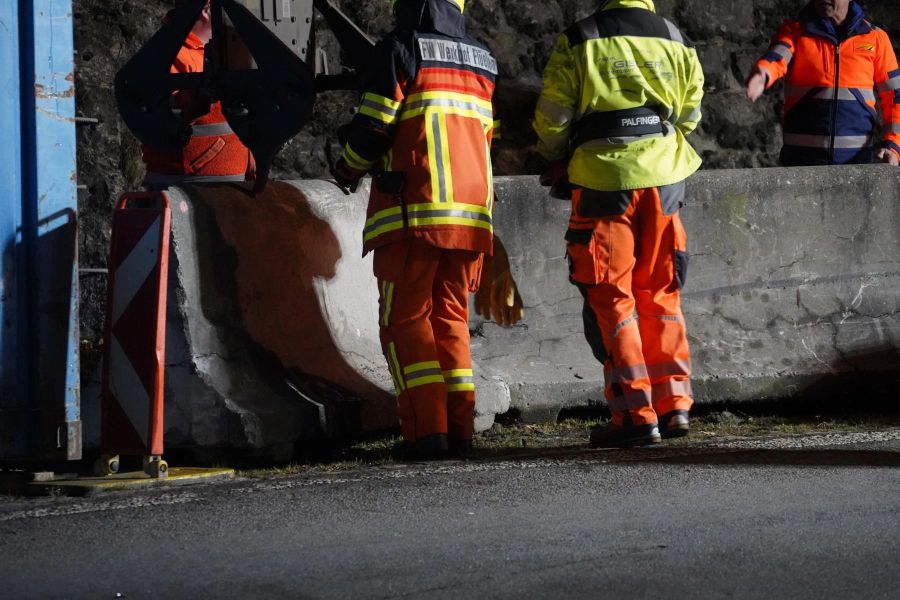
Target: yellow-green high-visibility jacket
point(622, 57)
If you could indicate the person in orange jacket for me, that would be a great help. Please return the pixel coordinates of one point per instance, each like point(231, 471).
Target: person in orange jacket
point(213, 153)
point(424, 128)
point(835, 62)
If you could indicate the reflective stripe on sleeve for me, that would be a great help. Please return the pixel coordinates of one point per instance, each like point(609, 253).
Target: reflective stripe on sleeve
point(694, 116)
point(211, 130)
point(890, 85)
point(554, 112)
point(824, 141)
point(782, 51)
point(355, 160)
point(379, 108)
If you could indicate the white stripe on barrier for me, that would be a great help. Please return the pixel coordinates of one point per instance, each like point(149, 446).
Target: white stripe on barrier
point(134, 270)
point(128, 390)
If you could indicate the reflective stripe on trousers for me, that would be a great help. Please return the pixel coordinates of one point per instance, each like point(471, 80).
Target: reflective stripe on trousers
point(423, 320)
point(626, 270)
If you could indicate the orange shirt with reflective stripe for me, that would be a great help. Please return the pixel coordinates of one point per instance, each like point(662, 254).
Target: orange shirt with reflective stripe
point(214, 155)
point(855, 69)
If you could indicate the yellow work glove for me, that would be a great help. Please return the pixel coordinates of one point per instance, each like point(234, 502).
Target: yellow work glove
point(498, 297)
point(506, 304)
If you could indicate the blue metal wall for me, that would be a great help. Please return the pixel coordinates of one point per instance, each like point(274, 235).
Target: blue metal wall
point(39, 380)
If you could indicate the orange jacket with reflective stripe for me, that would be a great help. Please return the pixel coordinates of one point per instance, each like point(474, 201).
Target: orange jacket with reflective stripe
point(213, 149)
point(832, 77)
point(424, 128)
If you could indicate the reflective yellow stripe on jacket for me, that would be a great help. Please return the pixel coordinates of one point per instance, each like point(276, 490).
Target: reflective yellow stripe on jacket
point(391, 219)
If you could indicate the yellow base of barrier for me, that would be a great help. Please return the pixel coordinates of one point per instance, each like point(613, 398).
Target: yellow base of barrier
point(85, 486)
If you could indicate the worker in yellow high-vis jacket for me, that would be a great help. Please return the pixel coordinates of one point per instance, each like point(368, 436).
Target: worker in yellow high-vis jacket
point(622, 90)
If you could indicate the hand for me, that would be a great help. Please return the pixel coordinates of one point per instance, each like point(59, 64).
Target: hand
point(506, 304)
point(557, 178)
point(887, 156)
point(756, 85)
point(557, 171)
point(498, 295)
point(346, 177)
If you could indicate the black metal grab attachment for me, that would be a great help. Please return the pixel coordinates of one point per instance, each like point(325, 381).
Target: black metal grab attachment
point(267, 91)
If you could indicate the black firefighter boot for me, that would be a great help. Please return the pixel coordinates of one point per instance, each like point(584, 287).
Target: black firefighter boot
point(430, 447)
point(625, 435)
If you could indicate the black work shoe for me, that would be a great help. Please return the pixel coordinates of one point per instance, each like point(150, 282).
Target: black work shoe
point(461, 448)
point(430, 447)
point(612, 436)
point(674, 424)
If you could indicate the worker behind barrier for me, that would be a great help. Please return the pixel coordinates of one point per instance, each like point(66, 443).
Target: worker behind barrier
point(213, 152)
point(424, 128)
point(835, 64)
point(622, 90)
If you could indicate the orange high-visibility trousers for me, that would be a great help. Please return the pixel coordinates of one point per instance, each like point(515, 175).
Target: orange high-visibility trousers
point(424, 325)
point(627, 255)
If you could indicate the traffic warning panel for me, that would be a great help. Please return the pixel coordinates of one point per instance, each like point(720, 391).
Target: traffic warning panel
point(133, 369)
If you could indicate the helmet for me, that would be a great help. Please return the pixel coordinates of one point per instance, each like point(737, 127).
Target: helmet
point(460, 4)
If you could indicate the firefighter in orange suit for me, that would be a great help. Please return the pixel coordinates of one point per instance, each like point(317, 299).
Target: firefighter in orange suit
point(622, 90)
point(835, 63)
point(213, 153)
point(424, 128)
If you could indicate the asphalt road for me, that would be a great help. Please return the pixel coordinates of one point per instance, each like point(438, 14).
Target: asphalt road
point(812, 517)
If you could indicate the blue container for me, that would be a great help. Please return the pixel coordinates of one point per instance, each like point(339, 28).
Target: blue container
point(39, 379)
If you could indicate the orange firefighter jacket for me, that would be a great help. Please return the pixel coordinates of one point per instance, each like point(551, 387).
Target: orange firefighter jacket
point(832, 77)
point(424, 128)
point(214, 152)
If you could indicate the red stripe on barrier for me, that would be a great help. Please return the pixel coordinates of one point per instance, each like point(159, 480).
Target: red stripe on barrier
point(134, 353)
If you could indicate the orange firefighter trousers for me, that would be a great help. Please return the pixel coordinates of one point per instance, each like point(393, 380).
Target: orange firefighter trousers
point(629, 266)
point(424, 325)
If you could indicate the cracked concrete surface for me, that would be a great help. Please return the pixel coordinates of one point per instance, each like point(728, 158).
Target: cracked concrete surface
point(792, 289)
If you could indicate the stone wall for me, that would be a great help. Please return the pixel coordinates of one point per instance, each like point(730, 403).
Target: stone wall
point(729, 35)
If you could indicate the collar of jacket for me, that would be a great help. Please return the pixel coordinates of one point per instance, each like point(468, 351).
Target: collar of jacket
point(438, 16)
point(611, 4)
point(855, 24)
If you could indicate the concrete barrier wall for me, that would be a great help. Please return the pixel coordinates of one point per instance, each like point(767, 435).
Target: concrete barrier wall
point(792, 291)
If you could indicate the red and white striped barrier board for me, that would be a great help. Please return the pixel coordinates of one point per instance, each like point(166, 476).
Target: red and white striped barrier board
point(132, 409)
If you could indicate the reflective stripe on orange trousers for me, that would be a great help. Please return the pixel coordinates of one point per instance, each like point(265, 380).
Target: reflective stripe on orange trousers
point(424, 326)
point(630, 272)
